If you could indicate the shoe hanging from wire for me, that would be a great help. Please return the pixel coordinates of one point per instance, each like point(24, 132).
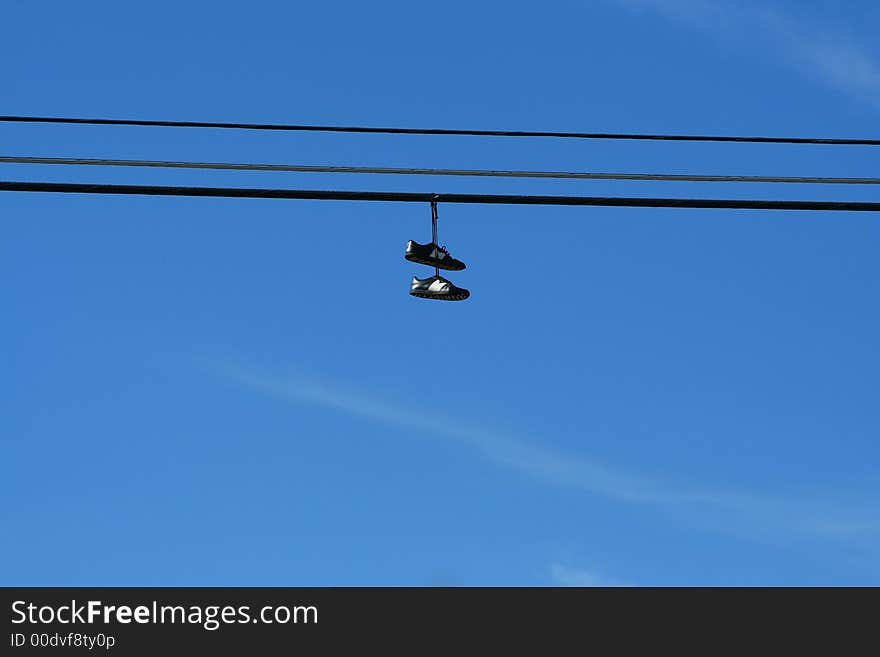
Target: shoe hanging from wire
point(434, 255)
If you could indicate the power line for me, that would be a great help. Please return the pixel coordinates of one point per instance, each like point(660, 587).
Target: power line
point(438, 131)
point(425, 197)
point(307, 168)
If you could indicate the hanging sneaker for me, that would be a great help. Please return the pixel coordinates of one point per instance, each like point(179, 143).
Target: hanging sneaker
point(437, 287)
point(432, 255)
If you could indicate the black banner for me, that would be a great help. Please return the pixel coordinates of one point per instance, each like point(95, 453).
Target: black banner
point(150, 621)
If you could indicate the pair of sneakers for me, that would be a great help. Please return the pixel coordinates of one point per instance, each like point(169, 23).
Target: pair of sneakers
point(434, 287)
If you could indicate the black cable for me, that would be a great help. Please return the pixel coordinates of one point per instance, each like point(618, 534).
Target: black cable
point(582, 175)
point(438, 131)
point(422, 197)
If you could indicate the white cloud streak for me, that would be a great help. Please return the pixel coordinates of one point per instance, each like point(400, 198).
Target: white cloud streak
point(726, 511)
point(818, 51)
point(565, 576)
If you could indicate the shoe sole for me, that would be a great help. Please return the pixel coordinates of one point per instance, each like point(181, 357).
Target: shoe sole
point(447, 297)
point(432, 263)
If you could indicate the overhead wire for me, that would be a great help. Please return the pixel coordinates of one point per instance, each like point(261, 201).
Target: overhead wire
point(427, 197)
point(579, 175)
point(440, 131)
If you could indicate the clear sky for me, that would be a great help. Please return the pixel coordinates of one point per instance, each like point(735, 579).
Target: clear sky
point(241, 392)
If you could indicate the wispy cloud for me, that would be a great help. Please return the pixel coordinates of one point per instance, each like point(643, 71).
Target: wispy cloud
point(726, 511)
point(565, 576)
point(827, 54)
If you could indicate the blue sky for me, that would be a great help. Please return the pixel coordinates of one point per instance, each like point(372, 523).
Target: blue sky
point(241, 392)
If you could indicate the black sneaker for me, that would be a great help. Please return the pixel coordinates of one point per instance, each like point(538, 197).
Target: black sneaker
point(433, 255)
point(437, 287)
